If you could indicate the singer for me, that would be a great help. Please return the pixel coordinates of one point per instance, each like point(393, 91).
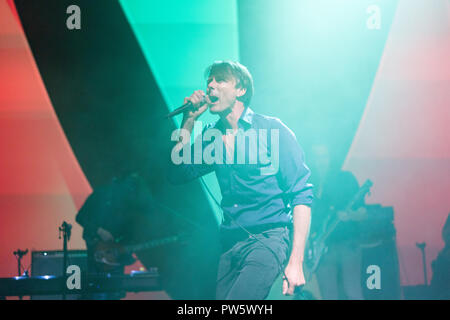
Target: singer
point(266, 216)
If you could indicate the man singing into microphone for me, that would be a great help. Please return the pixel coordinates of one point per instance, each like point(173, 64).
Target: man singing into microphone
point(265, 202)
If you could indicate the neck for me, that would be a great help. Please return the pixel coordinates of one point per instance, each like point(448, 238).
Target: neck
point(230, 117)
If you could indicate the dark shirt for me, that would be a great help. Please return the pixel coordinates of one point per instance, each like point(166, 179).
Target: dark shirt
point(114, 207)
point(253, 199)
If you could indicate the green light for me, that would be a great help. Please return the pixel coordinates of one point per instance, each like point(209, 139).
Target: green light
point(180, 39)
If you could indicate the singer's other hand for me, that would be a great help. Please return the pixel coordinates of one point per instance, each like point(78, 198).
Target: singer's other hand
point(199, 102)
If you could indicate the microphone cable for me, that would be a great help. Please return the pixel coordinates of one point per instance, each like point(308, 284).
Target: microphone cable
point(251, 235)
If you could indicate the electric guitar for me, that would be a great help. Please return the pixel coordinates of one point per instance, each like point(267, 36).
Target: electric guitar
point(111, 254)
point(317, 247)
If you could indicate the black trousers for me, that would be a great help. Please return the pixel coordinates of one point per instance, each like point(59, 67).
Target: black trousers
point(248, 269)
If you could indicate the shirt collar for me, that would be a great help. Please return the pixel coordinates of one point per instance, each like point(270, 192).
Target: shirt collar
point(247, 116)
point(245, 121)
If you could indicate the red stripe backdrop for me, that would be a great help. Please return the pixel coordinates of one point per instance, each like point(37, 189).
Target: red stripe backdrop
point(41, 183)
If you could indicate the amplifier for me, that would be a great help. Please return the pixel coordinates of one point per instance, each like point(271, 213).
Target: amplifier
point(50, 263)
point(379, 235)
point(385, 257)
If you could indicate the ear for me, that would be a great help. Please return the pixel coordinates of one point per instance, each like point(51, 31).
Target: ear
point(241, 92)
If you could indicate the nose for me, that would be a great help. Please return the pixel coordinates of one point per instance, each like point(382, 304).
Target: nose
point(212, 84)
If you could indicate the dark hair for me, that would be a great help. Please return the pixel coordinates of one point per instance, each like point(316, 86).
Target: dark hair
point(233, 70)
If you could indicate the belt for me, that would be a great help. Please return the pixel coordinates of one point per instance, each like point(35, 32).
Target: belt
point(231, 236)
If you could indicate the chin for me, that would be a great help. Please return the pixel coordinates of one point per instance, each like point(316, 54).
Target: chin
point(215, 109)
point(221, 108)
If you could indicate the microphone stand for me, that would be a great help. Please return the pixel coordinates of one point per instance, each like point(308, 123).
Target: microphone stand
point(422, 246)
point(19, 254)
point(66, 229)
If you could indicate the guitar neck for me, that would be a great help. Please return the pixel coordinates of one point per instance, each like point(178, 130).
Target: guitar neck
point(330, 229)
point(150, 244)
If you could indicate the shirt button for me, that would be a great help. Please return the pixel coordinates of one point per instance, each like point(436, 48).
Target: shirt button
point(235, 206)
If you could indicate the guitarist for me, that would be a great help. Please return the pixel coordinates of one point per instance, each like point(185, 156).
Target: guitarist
point(339, 273)
point(113, 213)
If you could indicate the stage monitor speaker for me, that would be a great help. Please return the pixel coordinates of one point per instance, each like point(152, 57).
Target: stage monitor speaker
point(385, 257)
point(51, 263)
point(379, 230)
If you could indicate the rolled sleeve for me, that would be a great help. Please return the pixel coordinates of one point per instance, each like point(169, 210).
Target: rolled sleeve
point(293, 173)
point(186, 172)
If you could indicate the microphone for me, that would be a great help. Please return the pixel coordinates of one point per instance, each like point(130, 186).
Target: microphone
point(20, 253)
point(68, 228)
point(188, 105)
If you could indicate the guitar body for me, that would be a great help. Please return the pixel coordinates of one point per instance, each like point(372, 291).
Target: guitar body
point(314, 254)
point(111, 255)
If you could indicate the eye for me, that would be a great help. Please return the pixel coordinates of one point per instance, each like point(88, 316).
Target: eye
point(218, 79)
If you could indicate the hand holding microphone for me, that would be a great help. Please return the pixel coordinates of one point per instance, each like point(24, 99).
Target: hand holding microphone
point(193, 106)
point(199, 102)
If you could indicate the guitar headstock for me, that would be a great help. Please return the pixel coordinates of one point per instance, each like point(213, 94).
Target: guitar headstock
point(367, 184)
point(366, 187)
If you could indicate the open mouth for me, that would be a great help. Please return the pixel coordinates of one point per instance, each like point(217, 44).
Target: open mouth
point(213, 99)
